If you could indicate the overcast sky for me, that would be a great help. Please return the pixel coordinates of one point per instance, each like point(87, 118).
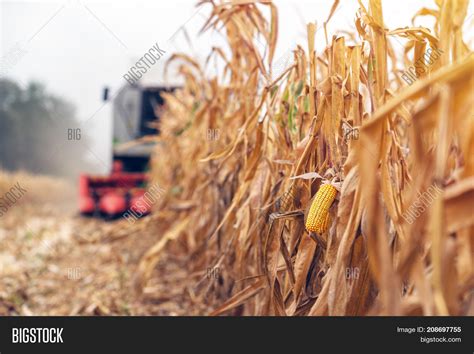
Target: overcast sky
point(78, 47)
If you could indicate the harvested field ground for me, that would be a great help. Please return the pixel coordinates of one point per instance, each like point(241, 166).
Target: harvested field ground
point(54, 262)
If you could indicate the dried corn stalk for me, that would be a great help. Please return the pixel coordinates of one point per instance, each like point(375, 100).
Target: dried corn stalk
point(400, 240)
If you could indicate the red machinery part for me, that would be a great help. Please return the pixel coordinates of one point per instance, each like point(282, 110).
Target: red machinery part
point(117, 167)
point(86, 205)
point(112, 203)
point(139, 204)
point(83, 185)
point(114, 194)
point(86, 202)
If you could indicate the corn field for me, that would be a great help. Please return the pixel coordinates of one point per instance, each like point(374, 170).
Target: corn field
point(342, 186)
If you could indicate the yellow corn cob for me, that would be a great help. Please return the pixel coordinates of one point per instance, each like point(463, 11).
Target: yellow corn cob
point(325, 224)
point(318, 215)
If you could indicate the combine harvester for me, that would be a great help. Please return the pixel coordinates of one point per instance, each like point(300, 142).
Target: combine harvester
point(135, 117)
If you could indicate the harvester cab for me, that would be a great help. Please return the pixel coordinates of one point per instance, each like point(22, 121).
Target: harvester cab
point(135, 117)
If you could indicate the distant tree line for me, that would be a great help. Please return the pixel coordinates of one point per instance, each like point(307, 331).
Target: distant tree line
point(35, 129)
